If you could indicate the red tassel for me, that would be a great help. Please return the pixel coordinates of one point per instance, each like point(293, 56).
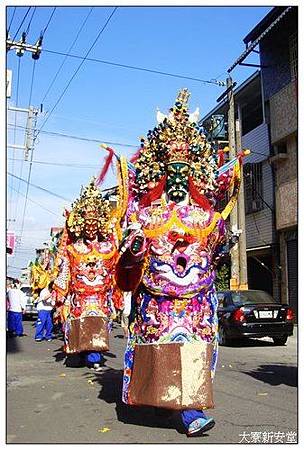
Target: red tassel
point(199, 198)
point(154, 194)
point(107, 163)
point(221, 158)
point(135, 156)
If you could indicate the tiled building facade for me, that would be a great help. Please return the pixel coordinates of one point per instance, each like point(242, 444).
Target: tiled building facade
point(278, 58)
point(271, 227)
point(261, 241)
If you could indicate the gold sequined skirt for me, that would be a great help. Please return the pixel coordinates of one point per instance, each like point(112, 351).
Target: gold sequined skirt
point(87, 334)
point(173, 376)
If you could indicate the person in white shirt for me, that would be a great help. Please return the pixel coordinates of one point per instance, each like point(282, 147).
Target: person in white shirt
point(16, 301)
point(44, 324)
point(127, 295)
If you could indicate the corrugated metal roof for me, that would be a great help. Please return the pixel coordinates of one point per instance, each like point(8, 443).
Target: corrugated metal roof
point(263, 24)
point(259, 38)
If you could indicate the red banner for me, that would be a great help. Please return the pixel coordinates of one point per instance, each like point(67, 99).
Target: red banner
point(10, 242)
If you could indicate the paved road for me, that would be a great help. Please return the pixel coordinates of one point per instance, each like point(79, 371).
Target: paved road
point(48, 402)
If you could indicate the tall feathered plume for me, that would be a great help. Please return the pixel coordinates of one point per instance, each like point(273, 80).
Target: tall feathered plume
point(107, 162)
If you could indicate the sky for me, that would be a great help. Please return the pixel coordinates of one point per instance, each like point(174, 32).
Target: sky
point(105, 102)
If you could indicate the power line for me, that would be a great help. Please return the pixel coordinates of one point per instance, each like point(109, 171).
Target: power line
point(32, 82)
point(26, 195)
point(77, 70)
point(35, 56)
point(29, 105)
point(17, 101)
point(24, 249)
point(54, 133)
point(143, 69)
point(41, 188)
point(11, 21)
point(32, 231)
point(49, 163)
point(63, 62)
point(22, 23)
point(14, 267)
point(41, 206)
point(27, 191)
point(47, 25)
point(30, 21)
point(80, 138)
point(30, 168)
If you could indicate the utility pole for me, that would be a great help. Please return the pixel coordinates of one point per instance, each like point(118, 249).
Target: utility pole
point(243, 278)
point(21, 46)
point(32, 114)
point(234, 252)
point(30, 131)
point(239, 278)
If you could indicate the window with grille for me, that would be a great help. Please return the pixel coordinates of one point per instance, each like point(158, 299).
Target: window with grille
point(293, 54)
point(253, 187)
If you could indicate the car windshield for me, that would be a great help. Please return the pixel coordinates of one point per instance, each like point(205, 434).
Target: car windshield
point(249, 297)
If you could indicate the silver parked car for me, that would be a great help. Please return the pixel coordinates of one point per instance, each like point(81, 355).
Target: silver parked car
point(30, 308)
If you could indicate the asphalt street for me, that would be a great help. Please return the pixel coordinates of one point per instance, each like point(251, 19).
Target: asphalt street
point(51, 400)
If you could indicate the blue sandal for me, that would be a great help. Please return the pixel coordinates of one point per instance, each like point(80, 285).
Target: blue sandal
point(199, 426)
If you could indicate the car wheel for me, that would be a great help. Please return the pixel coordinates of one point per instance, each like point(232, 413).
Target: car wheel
point(222, 336)
point(280, 340)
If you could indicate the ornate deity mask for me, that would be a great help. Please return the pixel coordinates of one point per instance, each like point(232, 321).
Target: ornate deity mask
point(175, 150)
point(90, 215)
point(177, 181)
point(90, 228)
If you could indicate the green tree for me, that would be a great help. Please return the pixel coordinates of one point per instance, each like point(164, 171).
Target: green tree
point(222, 281)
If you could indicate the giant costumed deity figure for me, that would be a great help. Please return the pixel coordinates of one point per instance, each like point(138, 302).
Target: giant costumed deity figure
point(86, 262)
point(42, 270)
point(176, 233)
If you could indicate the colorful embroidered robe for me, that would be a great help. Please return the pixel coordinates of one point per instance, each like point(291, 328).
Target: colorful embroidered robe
point(86, 281)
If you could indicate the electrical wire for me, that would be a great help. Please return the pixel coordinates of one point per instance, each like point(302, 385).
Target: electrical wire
point(14, 267)
point(127, 66)
point(32, 231)
point(256, 193)
point(10, 197)
point(11, 21)
point(28, 184)
point(66, 56)
point(41, 188)
point(29, 104)
point(258, 230)
point(47, 25)
point(30, 21)
point(30, 168)
point(54, 133)
point(49, 163)
point(36, 203)
point(21, 254)
point(22, 22)
point(80, 138)
point(77, 70)
point(32, 83)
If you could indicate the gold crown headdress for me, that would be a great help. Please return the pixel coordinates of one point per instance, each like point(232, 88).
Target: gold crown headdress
point(176, 138)
point(90, 206)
